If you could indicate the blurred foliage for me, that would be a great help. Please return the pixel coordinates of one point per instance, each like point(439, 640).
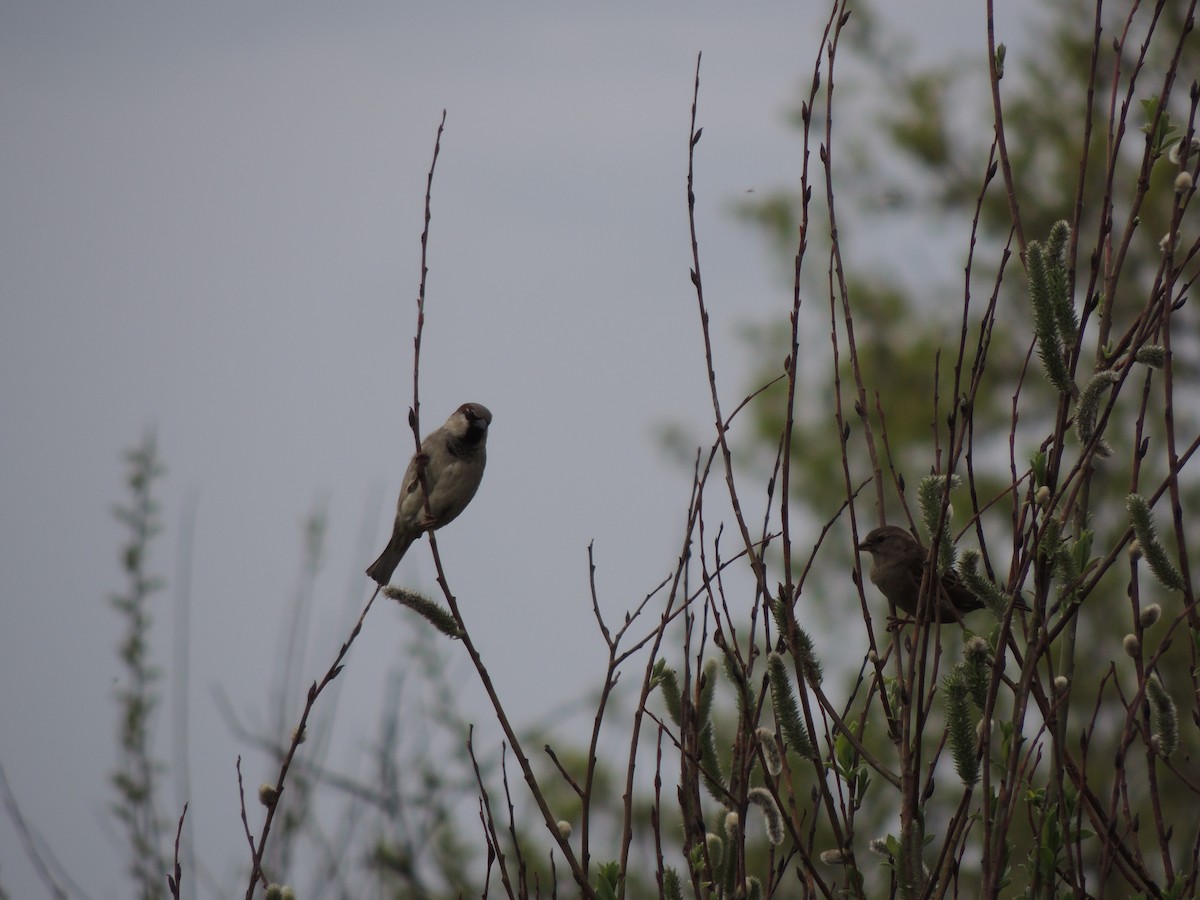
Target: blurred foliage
point(918, 165)
point(138, 773)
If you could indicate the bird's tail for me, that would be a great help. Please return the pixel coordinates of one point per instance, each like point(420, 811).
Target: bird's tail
point(381, 570)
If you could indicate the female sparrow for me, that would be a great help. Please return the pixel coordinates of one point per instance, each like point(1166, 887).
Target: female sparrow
point(897, 567)
point(452, 460)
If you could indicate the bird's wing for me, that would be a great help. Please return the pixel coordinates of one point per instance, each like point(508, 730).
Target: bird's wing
point(960, 595)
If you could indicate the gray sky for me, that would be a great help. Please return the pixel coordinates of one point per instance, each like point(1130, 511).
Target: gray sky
point(209, 221)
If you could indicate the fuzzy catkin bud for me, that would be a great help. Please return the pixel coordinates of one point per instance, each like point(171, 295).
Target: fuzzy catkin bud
point(770, 750)
point(716, 851)
point(1183, 182)
point(978, 648)
point(710, 762)
point(564, 829)
point(762, 798)
point(1143, 526)
point(1089, 407)
point(732, 825)
point(787, 713)
point(1061, 683)
point(833, 857)
point(1152, 355)
point(267, 795)
point(1042, 497)
point(810, 665)
point(434, 613)
point(961, 735)
point(1164, 720)
point(1149, 615)
point(1133, 647)
point(669, 685)
point(1046, 288)
point(993, 598)
point(672, 889)
point(930, 494)
point(1175, 152)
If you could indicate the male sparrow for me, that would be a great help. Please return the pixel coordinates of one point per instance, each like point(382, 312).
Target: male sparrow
point(452, 459)
point(897, 567)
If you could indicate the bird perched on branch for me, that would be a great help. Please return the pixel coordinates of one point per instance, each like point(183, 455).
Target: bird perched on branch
point(451, 460)
point(898, 567)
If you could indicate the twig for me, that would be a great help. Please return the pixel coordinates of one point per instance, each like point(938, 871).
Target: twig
point(176, 877)
point(242, 803)
point(693, 139)
point(298, 736)
point(35, 851)
point(489, 821)
point(1001, 142)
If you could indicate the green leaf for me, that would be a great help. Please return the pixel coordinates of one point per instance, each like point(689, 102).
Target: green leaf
point(608, 878)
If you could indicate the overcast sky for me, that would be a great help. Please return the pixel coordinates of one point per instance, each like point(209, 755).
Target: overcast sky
point(209, 221)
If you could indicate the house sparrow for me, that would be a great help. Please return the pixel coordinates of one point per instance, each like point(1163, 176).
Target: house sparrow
point(897, 567)
point(453, 458)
